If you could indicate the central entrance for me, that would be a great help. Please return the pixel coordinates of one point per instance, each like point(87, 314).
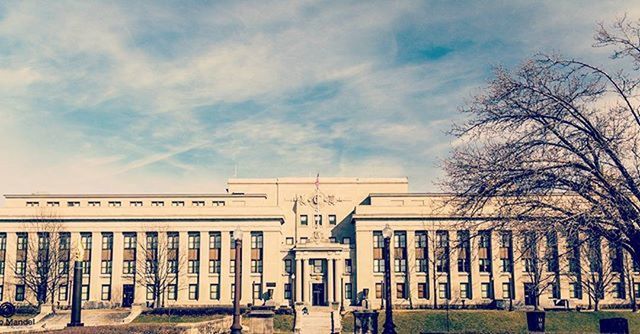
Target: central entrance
point(317, 290)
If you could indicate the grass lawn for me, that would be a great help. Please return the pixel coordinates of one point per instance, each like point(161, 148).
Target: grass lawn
point(496, 321)
point(173, 319)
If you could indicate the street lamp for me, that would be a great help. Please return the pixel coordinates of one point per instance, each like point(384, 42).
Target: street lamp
point(76, 293)
point(236, 327)
point(389, 326)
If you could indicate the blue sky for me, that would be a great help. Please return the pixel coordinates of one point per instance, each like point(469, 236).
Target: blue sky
point(160, 97)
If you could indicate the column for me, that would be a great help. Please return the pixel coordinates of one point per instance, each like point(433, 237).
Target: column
point(330, 280)
point(298, 280)
point(116, 269)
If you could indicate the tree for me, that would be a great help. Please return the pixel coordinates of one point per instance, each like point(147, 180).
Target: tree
point(42, 262)
point(556, 138)
point(160, 265)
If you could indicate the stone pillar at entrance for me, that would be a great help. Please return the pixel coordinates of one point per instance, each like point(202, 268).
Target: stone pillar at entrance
point(298, 280)
point(330, 283)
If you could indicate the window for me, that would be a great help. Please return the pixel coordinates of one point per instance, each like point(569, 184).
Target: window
point(107, 241)
point(215, 240)
point(85, 292)
point(347, 266)
point(506, 290)
point(288, 268)
point(94, 203)
point(304, 220)
point(400, 291)
point(197, 203)
point(53, 204)
point(73, 204)
point(214, 291)
point(172, 240)
point(128, 267)
point(19, 292)
point(22, 241)
point(332, 219)
point(157, 203)
point(177, 203)
point(485, 290)
point(289, 241)
point(287, 291)
point(379, 290)
point(33, 204)
point(218, 203)
point(106, 292)
point(115, 204)
point(464, 291)
point(172, 291)
point(317, 219)
point(423, 291)
point(85, 241)
point(105, 267)
point(151, 292)
point(194, 267)
point(443, 290)
point(129, 241)
point(348, 291)
point(214, 266)
point(193, 291)
point(86, 267)
point(194, 240)
point(20, 267)
point(62, 292)
point(257, 291)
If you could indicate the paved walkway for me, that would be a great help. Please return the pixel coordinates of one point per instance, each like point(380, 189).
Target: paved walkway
point(101, 317)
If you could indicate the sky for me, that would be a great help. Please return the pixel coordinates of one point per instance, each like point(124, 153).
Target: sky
point(135, 96)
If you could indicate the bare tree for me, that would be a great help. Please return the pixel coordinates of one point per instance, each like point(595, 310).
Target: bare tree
point(557, 137)
point(160, 265)
point(42, 261)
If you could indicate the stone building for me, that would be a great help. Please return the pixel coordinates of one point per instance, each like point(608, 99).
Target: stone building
point(308, 240)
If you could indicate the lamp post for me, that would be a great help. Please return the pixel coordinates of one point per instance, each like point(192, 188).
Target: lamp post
point(76, 292)
point(389, 326)
point(236, 327)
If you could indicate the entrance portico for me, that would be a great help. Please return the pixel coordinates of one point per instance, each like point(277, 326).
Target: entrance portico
point(317, 267)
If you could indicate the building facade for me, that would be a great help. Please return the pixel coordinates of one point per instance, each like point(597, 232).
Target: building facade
point(305, 240)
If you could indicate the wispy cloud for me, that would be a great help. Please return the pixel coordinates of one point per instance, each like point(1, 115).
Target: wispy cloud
point(147, 96)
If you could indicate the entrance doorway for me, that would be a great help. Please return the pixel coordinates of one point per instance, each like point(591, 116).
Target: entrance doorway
point(127, 295)
point(317, 290)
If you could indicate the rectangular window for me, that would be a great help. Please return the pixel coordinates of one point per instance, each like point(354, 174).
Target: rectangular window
point(423, 291)
point(214, 291)
point(332, 219)
point(115, 204)
point(19, 292)
point(193, 291)
point(304, 220)
point(85, 292)
point(464, 290)
point(106, 292)
point(287, 291)
point(193, 267)
point(506, 290)
point(172, 291)
point(443, 290)
point(62, 292)
point(105, 267)
point(194, 240)
point(400, 291)
point(348, 291)
point(485, 291)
